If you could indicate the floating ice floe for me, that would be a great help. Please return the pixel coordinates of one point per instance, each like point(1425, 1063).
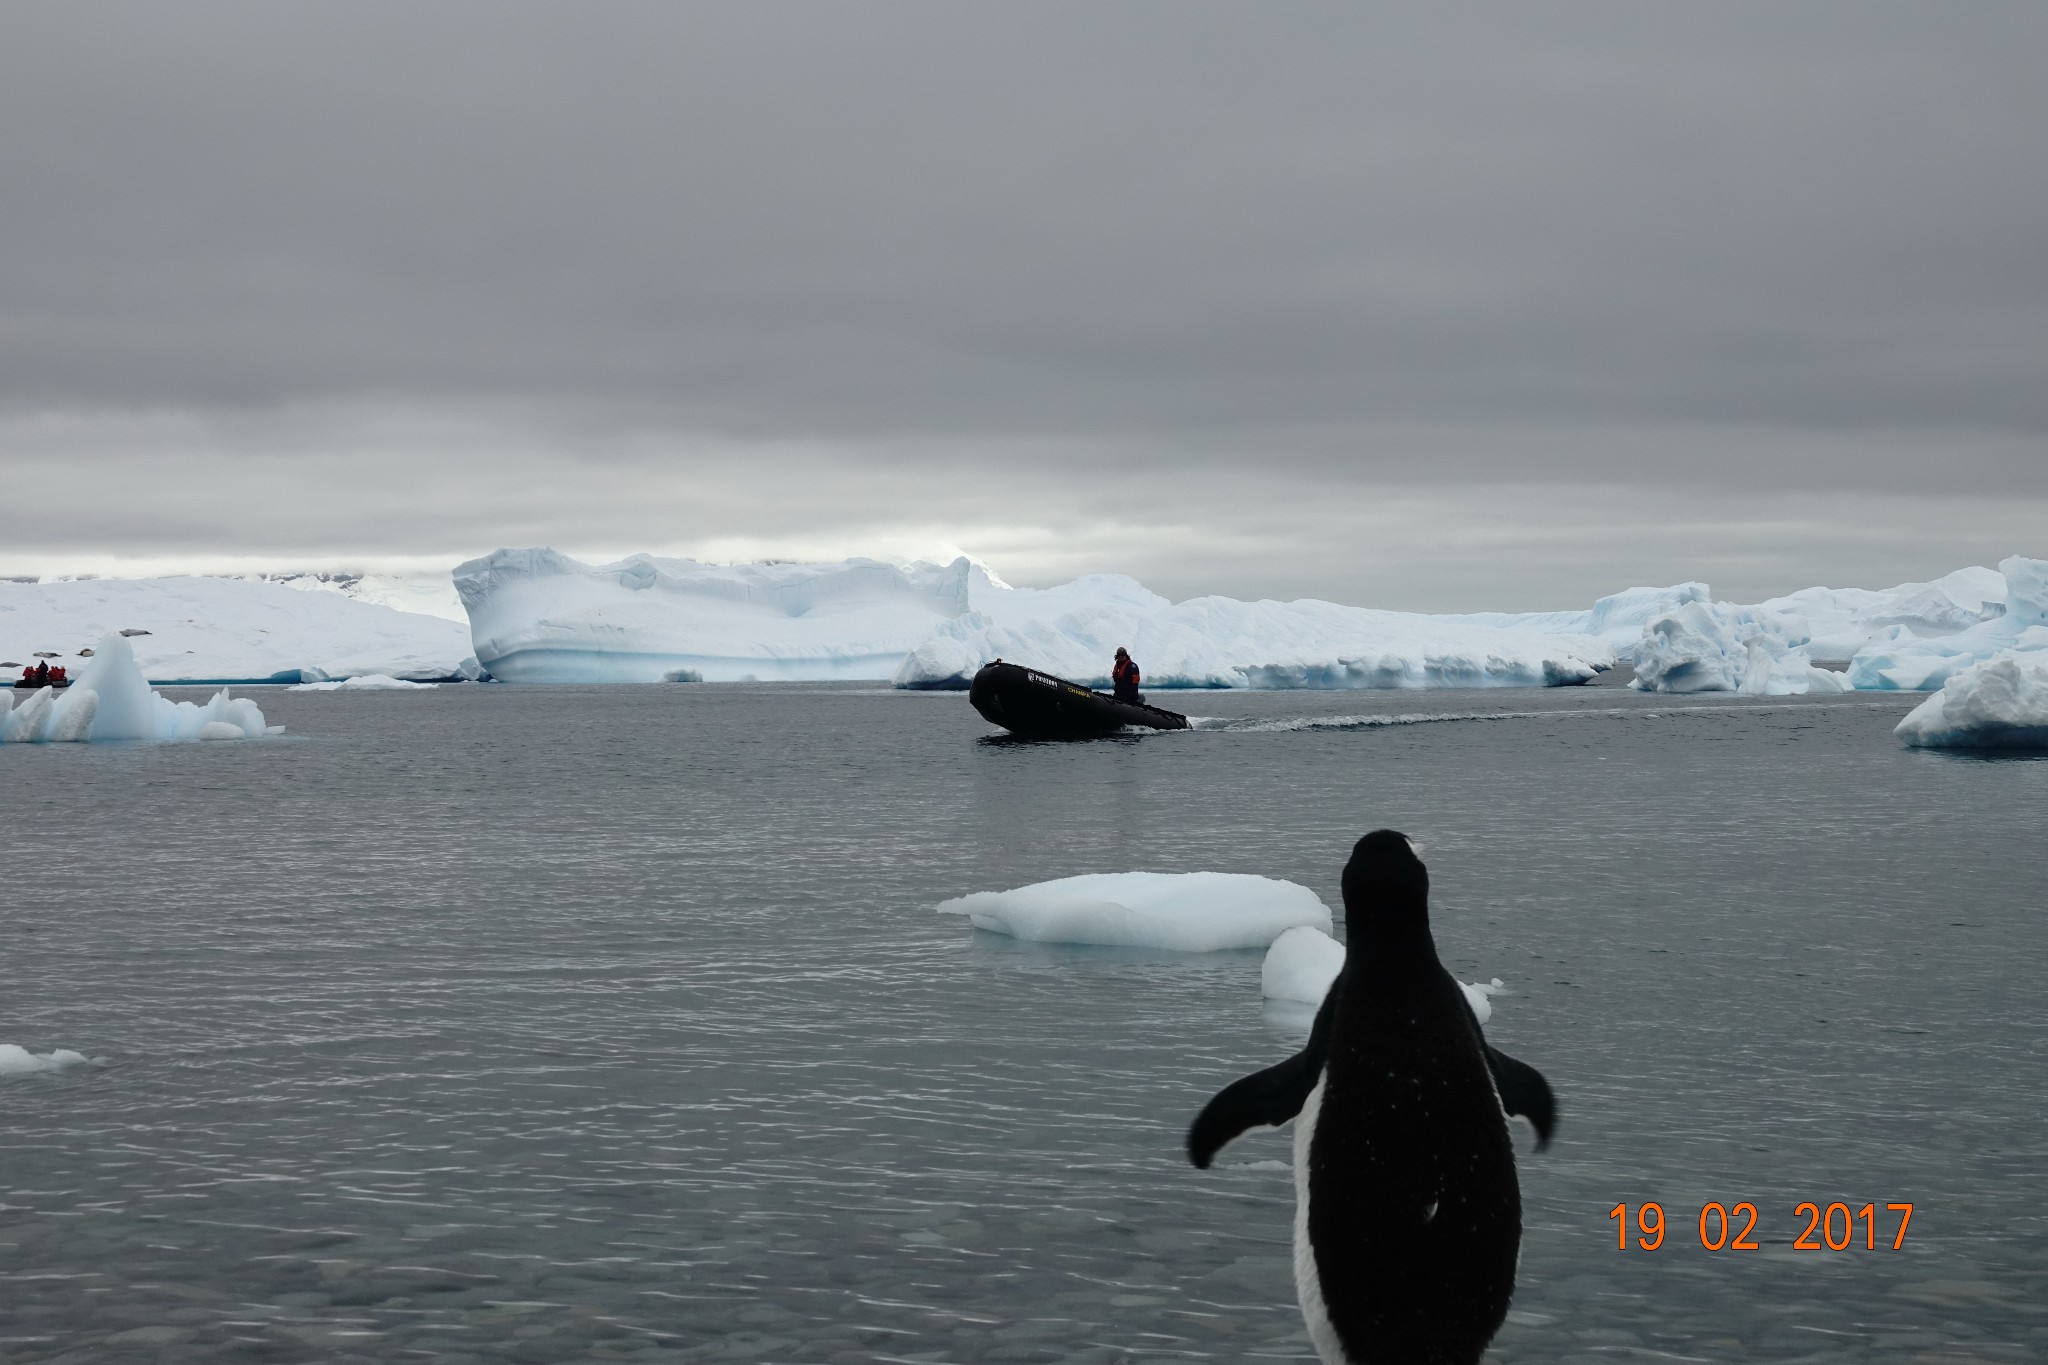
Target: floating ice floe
point(1304, 961)
point(111, 700)
point(2001, 703)
point(16, 1060)
point(223, 630)
point(1721, 647)
point(1189, 912)
point(1905, 659)
point(369, 682)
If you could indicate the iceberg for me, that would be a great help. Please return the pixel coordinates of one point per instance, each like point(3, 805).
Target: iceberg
point(1187, 912)
point(111, 700)
point(1304, 961)
point(1220, 642)
point(2001, 703)
point(1705, 646)
point(17, 1060)
point(539, 616)
point(224, 630)
point(368, 682)
point(1842, 621)
point(1902, 658)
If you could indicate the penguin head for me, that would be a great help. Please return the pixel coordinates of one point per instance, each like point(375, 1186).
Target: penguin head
point(1385, 883)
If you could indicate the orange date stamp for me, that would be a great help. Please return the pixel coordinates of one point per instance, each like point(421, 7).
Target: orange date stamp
point(1722, 1227)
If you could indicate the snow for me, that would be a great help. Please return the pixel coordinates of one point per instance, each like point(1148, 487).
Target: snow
point(1902, 658)
point(1998, 704)
point(111, 700)
point(229, 630)
point(1189, 912)
point(1722, 647)
point(1304, 961)
point(424, 594)
point(17, 1060)
point(540, 616)
point(368, 682)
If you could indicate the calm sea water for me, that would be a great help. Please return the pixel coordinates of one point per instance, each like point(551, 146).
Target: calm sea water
point(547, 1024)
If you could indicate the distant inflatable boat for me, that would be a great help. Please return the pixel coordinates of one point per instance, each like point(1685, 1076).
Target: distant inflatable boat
point(1037, 705)
point(51, 682)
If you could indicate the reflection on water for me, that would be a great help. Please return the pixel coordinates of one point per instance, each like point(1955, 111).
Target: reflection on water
point(547, 1024)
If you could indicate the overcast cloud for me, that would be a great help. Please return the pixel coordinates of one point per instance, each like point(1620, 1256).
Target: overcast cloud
point(1437, 306)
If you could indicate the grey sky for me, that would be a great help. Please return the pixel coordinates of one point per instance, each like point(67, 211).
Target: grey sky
point(1437, 306)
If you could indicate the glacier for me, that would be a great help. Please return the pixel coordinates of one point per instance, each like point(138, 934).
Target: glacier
point(1302, 963)
point(188, 630)
point(111, 700)
point(2001, 703)
point(1187, 912)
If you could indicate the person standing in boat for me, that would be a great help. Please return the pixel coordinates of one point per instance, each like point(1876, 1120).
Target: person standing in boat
point(1124, 676)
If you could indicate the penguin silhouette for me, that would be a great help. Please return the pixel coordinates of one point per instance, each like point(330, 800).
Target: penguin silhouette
point(1408, 1216)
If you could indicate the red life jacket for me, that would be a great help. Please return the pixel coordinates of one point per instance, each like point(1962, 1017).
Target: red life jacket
point(1125, 673)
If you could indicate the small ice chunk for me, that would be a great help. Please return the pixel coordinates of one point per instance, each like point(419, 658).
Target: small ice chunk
point(1303, 962)
point(18, 1060)
point(1300, 966)
point(1190, 912)
point(1999, 704)
point(220, 729)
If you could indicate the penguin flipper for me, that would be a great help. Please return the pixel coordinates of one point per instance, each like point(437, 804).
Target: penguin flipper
point(1523, 1091)
point(1269, 1097)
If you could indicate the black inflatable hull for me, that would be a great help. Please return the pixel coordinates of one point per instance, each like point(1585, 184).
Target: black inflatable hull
point(65, 683)
point(1038, 705)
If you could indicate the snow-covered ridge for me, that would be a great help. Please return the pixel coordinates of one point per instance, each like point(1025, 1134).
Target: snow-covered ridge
point(216, 630)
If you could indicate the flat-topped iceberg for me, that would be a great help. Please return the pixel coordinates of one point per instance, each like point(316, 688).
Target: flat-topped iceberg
point(1074, 630)
point(1304, 961)
point(111, 700)
point(2001, 703)
point(1188, 912)
point(540, 616)
point(368, 682)
point(218, 630)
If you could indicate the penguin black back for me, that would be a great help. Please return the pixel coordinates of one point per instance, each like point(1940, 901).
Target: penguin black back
point(1408, 1225)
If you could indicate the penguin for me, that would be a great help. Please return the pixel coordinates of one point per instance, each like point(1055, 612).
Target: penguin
point(1408, 1216)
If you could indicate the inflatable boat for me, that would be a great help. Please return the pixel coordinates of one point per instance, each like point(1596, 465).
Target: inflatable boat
point(47, 682)
point(1037, 705)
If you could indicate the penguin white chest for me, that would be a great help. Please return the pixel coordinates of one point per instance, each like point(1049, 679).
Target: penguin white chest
point(1308, 1284)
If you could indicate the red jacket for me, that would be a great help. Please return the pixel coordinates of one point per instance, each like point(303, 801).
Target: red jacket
point(1125, 674)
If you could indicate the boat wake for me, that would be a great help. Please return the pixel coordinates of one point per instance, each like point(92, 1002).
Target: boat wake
point(1282, 725)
